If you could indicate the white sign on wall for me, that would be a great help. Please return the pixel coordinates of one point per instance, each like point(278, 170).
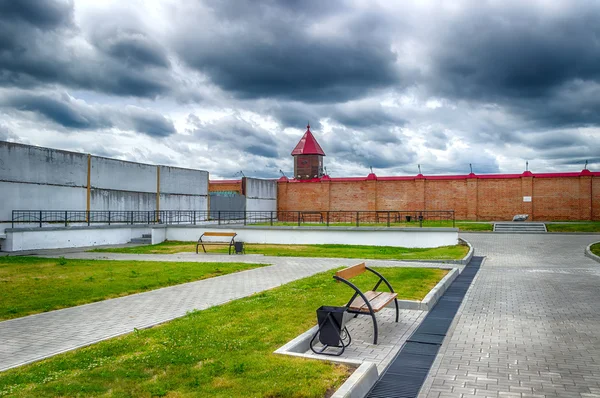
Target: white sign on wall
point(526, 198)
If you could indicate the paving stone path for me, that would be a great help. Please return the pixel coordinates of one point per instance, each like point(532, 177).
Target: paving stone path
point(31, 338)
point(530, 324)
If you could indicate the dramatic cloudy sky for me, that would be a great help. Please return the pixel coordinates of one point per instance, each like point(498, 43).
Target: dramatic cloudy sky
point(229, 85)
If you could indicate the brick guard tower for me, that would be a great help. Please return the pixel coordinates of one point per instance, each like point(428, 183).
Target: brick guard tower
point(308, 157)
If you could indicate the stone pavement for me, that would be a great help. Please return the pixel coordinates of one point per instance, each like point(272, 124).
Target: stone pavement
point(391, 337)
point(31, 338)
point(530, 324)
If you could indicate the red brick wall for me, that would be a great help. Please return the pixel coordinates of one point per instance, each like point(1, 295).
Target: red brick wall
point(499, 199)
point(219, 186)
point(395, 195)
point(553, 198)
point(304, 196)
point(447, 195)
point(595, 199)
point(556, 198)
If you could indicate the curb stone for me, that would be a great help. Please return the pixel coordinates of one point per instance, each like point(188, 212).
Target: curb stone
point(588, 252)
point(464, 261)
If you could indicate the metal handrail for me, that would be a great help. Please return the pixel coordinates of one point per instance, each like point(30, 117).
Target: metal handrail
point(378, 218)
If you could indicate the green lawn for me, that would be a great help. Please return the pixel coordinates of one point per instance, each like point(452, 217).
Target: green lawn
point(574, 227)
point(30, 285)
point(461, 225)
point(340, 251)
point(596, 249)
point(224, 351)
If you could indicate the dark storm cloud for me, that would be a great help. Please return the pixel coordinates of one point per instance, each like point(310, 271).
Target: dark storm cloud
point(360, 148)
point(522, 56)
point(294, 114)
point(273, 50)
point(149, 123)
point(46, 14)
point(366, 114)
point(233, 133)
point(513, 52)
point(60, 110)
point(67, 112)
point(134, 49)
point(39, 44)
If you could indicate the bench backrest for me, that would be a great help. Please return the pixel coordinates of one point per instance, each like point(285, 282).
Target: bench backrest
point(230, 234)
point(351, 272)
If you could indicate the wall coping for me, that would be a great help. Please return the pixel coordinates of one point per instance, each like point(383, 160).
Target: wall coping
point(232, 226)
point(373, 177)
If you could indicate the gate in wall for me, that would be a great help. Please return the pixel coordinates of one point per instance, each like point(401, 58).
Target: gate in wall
point(230, 204)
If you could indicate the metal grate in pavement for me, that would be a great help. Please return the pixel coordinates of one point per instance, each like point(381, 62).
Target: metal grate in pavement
point(406, 374)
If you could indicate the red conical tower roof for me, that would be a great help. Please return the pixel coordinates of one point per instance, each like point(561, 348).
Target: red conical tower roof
point(308, 145)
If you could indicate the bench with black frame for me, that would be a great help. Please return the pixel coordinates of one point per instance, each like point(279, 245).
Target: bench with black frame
point(229, 243)
point(370, 302)
point(311, 215)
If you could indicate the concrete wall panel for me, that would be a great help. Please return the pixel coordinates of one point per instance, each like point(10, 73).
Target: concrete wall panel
point(183, 202)
point(261, 204)
point(16, 196)
point(183, 181)
point(25, 163)
point(261, 189)
point(102, 199)
point(123, 176)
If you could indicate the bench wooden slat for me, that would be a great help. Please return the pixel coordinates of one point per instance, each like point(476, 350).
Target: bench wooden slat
point(382, 300)
point(378, 301)
point(351, 272)
point(219, 234)
point(358, 303)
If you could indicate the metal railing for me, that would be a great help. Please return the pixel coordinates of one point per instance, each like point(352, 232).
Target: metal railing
point(386, 218)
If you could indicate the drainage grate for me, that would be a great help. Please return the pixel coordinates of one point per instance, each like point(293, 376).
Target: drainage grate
point(405, 376)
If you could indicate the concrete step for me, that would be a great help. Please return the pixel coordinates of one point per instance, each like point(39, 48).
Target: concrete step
point(147, 241)
point(519, 227)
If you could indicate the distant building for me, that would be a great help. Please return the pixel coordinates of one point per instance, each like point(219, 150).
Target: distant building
point(308, 157)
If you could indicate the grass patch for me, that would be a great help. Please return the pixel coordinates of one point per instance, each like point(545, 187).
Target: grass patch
point(338, 251)
point(224, 351)
point(29, 285)
point(595, 249)
point(461, 225)
point(574, 227)
point(474, 226)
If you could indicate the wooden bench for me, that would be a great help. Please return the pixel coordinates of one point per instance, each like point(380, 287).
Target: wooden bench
point(370, 302)
point(230, 243)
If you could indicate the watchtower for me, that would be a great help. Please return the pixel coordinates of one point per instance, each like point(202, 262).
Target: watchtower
point(308, 157)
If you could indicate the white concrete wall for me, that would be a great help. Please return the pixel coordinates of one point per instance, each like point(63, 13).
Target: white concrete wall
point(406, 237)
point(159, 235)
point(20, 196)
point(102, 199)
point(183, 202)
point(34, 178)
point(118, 175)
point(56, 238)
point(261, 195)
point(183, 189)
point(52, 238)
point(23, 163)
point(174, 180)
